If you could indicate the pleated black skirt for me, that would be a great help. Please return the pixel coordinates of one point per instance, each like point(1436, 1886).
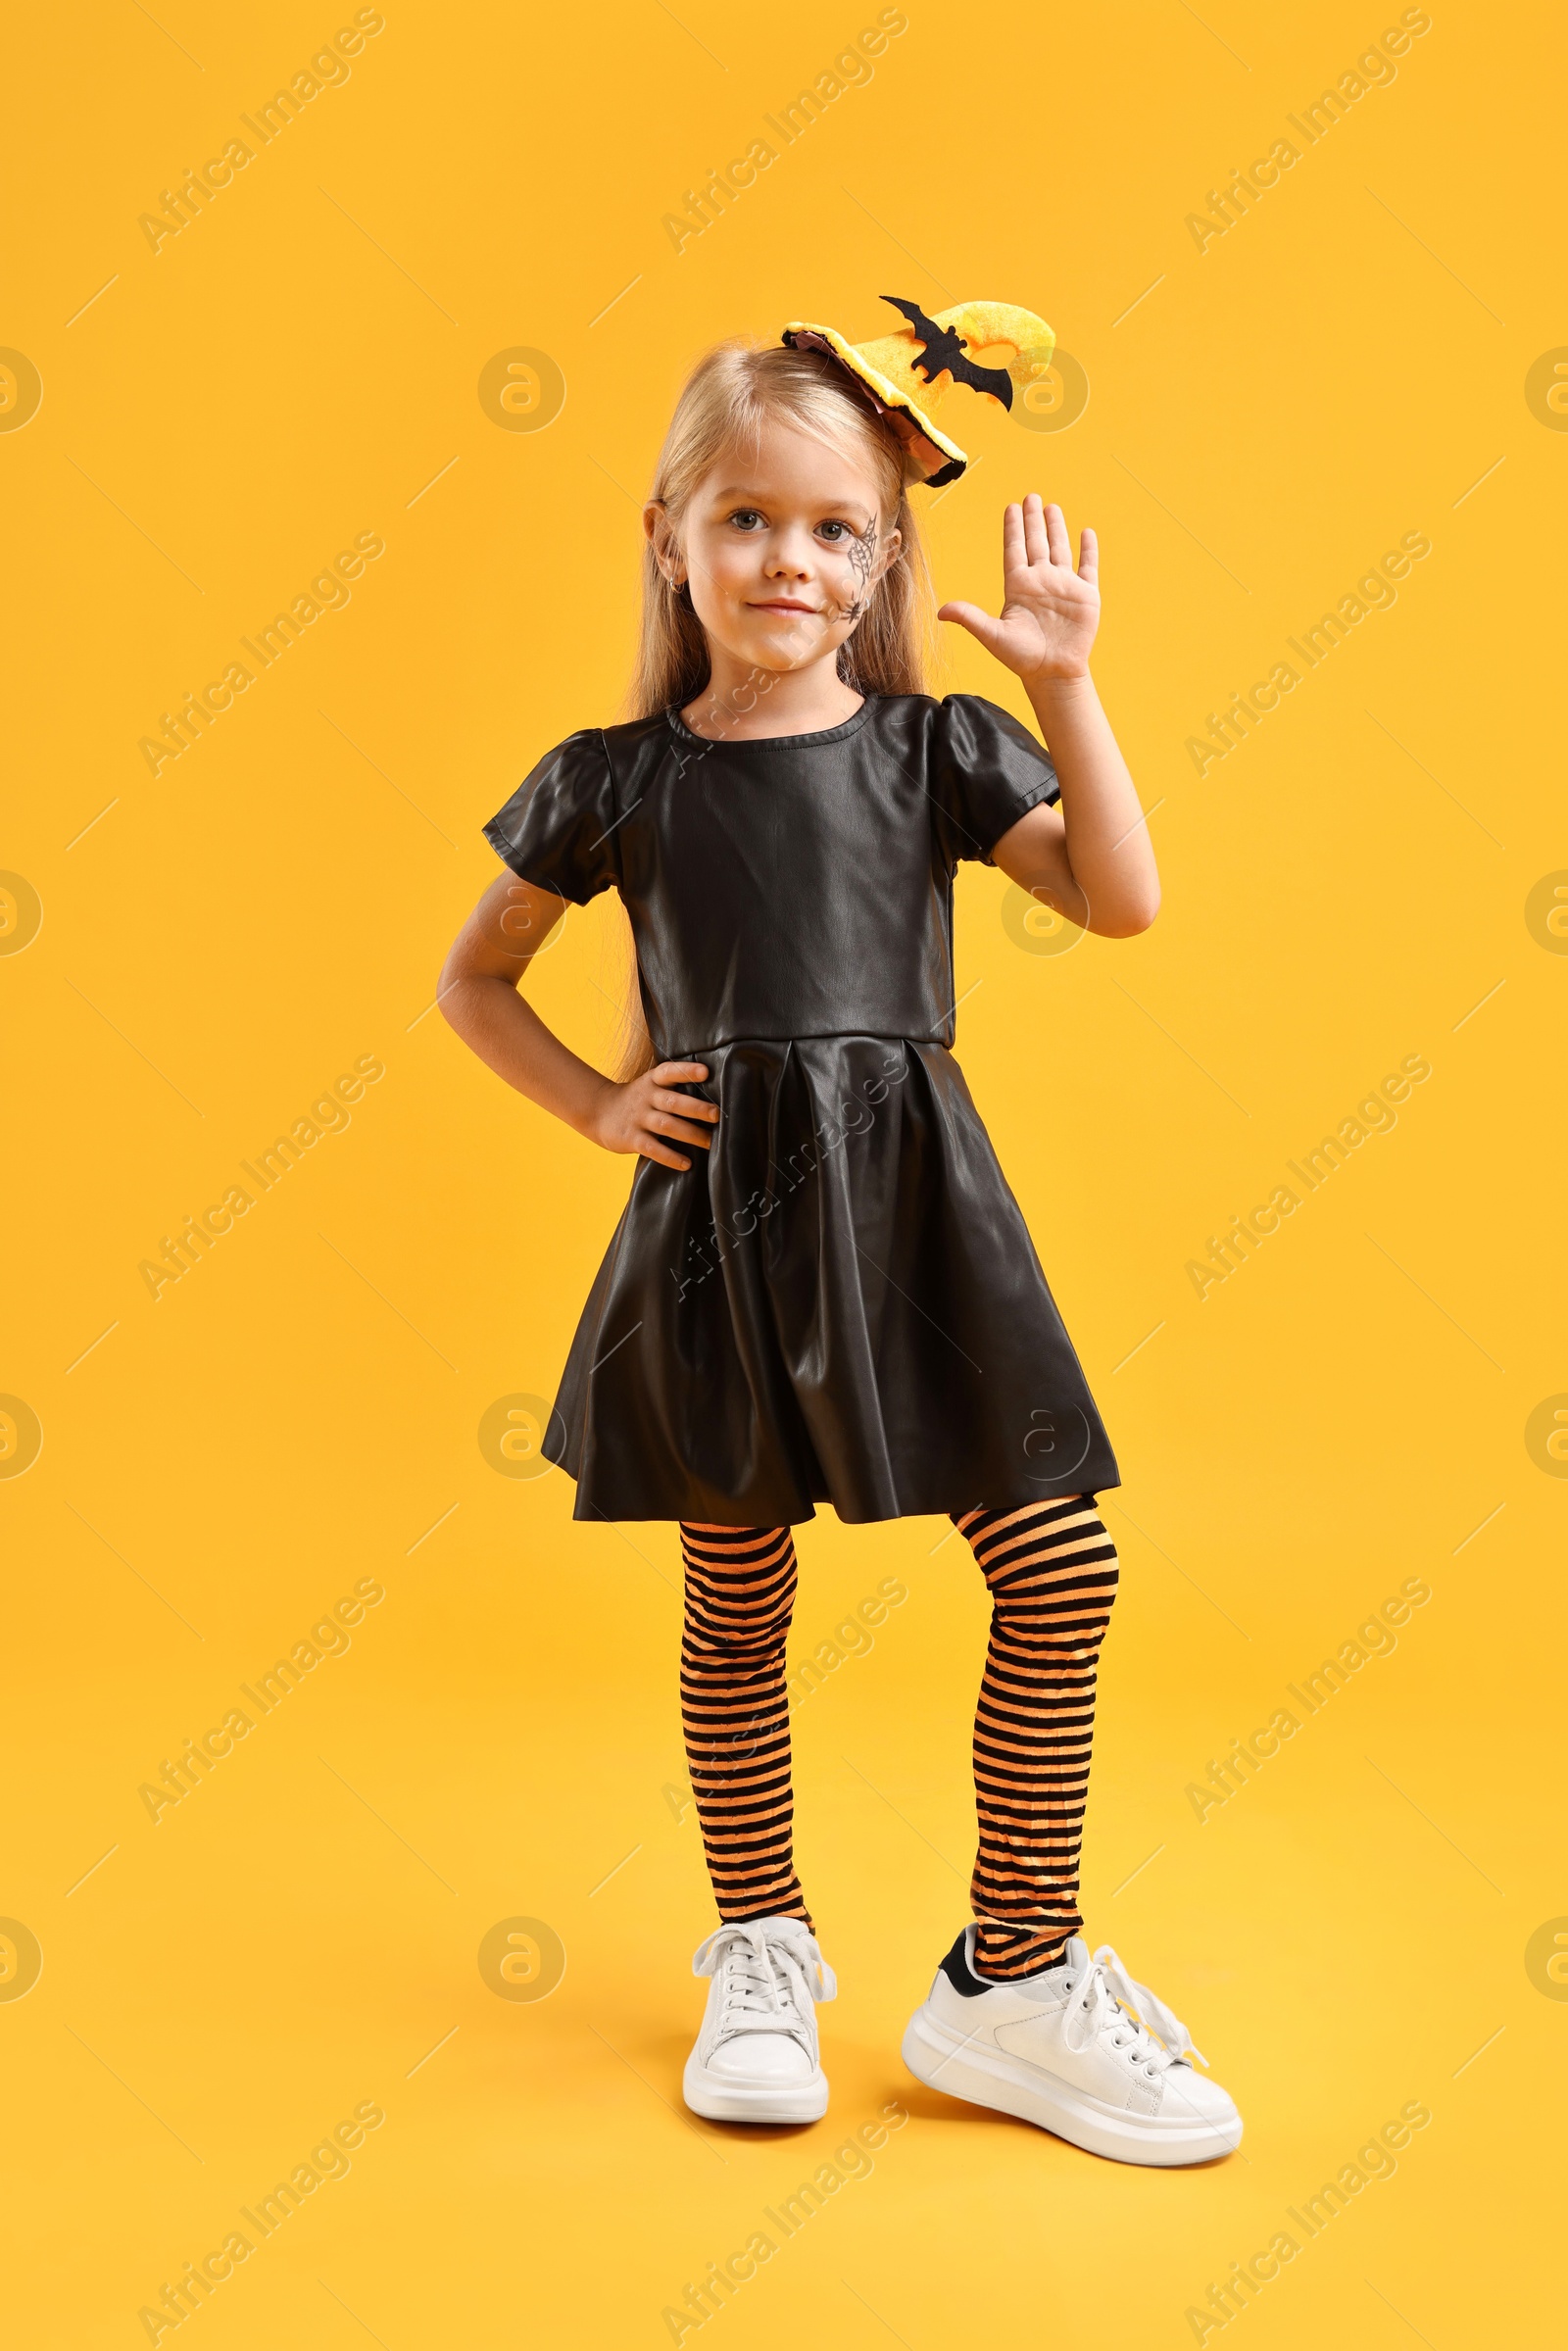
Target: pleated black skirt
point(840, 1302)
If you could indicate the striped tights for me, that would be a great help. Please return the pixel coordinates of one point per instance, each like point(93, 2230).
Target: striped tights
point(1051, 1571)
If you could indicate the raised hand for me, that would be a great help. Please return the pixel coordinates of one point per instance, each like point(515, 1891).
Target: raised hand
point(1049, 611)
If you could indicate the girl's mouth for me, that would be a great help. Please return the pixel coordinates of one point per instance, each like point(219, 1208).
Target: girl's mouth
point(781, 604)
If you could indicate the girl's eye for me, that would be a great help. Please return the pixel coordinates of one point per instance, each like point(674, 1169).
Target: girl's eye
point(842, 530)
point(746, 517)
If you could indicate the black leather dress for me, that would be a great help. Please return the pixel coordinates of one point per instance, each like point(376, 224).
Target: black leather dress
point(839, 1301)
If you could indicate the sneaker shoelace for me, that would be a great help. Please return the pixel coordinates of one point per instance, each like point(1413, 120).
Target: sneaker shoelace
point(1100, 2003)
point(763, 1986)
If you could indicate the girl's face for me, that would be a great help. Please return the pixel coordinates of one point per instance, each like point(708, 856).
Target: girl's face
point(782, 545)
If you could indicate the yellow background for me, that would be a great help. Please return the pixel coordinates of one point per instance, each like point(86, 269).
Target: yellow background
point(301, 1411)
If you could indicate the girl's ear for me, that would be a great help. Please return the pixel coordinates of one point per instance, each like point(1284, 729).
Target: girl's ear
point(661, 538)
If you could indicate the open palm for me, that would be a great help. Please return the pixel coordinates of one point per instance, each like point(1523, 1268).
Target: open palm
point(1049, 611)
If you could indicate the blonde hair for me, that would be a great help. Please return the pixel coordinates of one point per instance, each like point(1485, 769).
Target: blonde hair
point(730, 394)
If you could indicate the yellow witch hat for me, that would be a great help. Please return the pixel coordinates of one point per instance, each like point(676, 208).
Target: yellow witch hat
point(893, 370)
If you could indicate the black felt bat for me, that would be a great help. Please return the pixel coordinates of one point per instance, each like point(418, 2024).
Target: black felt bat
point(945, 348)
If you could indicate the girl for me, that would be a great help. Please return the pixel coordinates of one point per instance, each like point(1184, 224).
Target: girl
point(821, 1288)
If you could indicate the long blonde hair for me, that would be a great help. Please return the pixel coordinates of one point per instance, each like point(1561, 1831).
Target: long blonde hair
point(730, 394)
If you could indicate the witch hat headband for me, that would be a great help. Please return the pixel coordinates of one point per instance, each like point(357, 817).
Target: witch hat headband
point(902, 375)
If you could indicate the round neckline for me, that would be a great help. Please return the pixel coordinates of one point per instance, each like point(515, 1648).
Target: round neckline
point(828, 734)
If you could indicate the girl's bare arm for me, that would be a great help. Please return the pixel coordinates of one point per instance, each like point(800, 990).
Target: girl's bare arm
point(1090, 856)
point(479, 993)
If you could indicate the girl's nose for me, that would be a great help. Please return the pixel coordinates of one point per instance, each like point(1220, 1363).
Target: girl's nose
point(791, 554)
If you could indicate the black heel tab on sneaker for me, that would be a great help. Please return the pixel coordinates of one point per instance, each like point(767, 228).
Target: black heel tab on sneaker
point(959, 1974)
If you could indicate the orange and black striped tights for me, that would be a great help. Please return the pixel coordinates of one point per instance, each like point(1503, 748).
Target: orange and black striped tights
point(1052, 1572)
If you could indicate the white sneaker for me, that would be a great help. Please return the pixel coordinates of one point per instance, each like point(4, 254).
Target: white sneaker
point(1060, 2048)
point(756, 2057)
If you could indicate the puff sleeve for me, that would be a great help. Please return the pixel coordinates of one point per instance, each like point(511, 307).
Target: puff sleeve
point(985, 772)
point(557, 830)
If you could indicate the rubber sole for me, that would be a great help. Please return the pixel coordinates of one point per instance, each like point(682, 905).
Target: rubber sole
point(721, 2098)
point(944, 2060)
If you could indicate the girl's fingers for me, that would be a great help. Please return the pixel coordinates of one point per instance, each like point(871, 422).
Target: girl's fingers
point(1089, 557)
point(1036, 542)
point(978, 623)
point(1012, 546)
point(673, 1116)
point(1057, 536)
point(659, 1122)
point(688, 1106)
